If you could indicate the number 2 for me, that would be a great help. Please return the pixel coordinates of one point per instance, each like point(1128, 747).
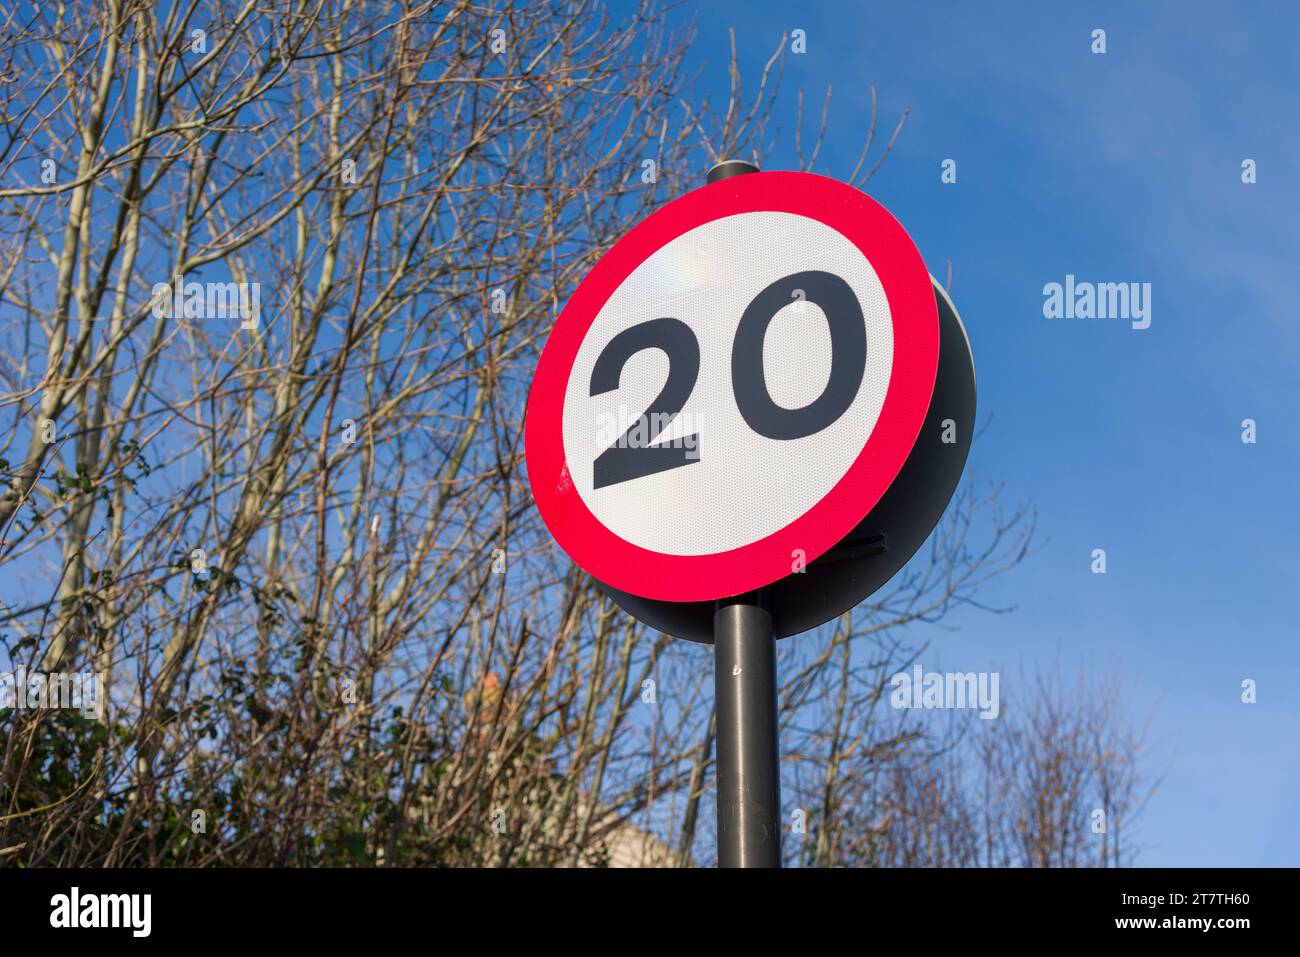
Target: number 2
point(622, 462)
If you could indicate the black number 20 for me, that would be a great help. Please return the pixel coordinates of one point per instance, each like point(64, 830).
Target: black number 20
point(622, 462)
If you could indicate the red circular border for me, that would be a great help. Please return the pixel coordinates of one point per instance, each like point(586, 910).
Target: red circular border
point(640, 571)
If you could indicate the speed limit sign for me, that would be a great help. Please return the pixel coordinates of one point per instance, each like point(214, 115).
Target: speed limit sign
point(733, 388)
point(750, 415)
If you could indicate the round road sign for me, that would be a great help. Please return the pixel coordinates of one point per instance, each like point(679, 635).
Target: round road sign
point(733, 387)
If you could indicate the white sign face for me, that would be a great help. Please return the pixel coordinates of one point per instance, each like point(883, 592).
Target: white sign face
point(706, 278)
point(733, 387)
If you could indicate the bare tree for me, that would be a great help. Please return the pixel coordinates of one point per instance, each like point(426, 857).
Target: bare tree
point(1057, 780)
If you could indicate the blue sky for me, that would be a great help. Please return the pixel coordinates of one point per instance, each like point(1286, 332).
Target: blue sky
point(1119, 167)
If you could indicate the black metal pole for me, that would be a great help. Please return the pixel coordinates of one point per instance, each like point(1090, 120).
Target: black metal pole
point(749, 781)
point(744, 661)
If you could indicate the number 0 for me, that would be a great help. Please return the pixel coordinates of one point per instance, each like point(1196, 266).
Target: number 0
point(848, 356)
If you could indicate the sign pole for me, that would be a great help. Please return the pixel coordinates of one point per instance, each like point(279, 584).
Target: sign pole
point(744, 661)
point(749, 779)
